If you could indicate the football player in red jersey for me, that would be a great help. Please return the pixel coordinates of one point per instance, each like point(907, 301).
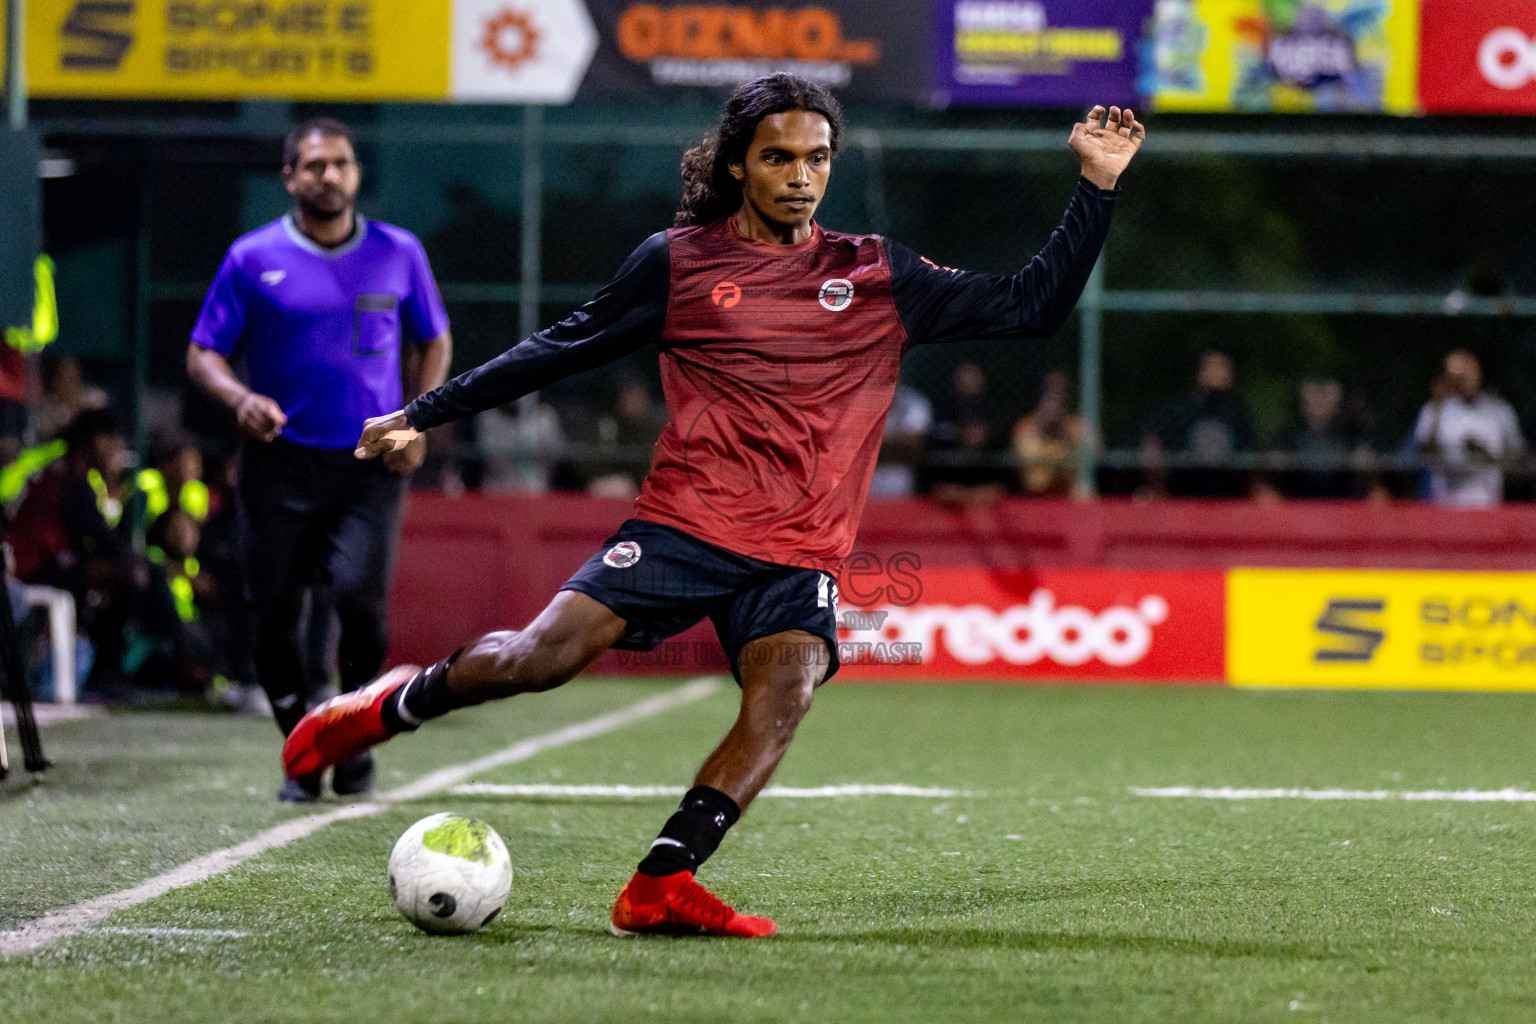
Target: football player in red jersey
point(780, 344)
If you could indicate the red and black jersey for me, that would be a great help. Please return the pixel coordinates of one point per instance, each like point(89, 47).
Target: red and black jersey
point(778, 363)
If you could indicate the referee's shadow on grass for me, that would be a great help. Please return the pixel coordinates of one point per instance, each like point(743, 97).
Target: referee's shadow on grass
point(1058, 942)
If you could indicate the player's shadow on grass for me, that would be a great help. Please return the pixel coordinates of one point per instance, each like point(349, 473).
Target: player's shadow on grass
point(513, 932)
point(563, 801)
point(1059, 942)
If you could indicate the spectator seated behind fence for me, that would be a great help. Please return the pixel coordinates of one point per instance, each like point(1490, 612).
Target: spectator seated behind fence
point(903, 444)
point(521, 443)
point(66, 533)
point(1047, 440)
point(174, 481)
point(1322, 444)
point(65, 396)
point(1467, 436)
point(625, 438)
point(1206, 428)
point(13, 398)
point(964, 466)
point(214, 621)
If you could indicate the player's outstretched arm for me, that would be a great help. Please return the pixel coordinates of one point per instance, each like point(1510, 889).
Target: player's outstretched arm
point(941, 304)
point(626, 315)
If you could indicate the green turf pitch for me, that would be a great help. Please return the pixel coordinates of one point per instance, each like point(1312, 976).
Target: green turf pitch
point(1049, 892)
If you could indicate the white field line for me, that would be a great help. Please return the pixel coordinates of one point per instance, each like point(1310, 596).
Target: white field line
point(443, 778)
point(40, 932)
point(52, 714)
point(788, 792)
point(175, 933)
point(1465, 796)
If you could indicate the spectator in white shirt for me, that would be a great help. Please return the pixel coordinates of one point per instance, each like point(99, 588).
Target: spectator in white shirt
point(906, 433)
point(1467, 435)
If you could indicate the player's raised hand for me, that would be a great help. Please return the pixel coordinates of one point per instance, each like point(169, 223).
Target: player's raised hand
point(1106, 142)
point(260, 417)
point(384, 434)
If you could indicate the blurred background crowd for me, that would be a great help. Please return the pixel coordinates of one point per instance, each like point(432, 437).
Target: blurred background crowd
point(147, 547)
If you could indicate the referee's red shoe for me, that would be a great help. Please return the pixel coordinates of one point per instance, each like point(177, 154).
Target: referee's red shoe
point(343, 726)
point(677, 905)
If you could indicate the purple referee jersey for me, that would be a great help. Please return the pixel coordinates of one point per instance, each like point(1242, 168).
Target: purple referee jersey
point(322, 328)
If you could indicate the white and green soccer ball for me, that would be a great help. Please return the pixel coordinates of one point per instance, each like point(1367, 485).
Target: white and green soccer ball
point(450, 874)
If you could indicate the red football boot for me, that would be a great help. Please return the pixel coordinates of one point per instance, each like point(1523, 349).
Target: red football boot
point(343, 726)
point(677, 905)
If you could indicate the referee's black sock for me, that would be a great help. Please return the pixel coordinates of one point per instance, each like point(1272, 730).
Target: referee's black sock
point(425, 696)
point(692, 834)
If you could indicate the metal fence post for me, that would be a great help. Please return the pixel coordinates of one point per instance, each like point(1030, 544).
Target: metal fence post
point(1090, 374)
point(16, 103)
point(532, 233)
point(142, 297)
point(873, 150)
point(531, 239)
point(16, 63)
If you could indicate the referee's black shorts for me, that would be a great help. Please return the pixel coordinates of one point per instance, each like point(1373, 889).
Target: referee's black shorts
point(660, 581)
point(317, 516)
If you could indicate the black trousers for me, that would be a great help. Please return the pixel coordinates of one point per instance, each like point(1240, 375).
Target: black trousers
point(316, 518)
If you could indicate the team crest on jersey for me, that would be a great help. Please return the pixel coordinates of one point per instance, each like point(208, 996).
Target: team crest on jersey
point(726, 294)
point(836, 294)
point(622, 555)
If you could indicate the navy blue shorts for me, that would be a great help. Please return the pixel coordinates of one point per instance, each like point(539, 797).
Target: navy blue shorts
point(660, 581)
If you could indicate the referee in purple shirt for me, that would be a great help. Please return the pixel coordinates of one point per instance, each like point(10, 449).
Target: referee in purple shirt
point(322, 302)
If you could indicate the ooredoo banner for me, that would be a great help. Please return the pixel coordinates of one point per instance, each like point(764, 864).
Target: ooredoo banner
point(1036, 52)
point(972, 623)
point(1478, 57)
point(1285, 57)
point(869, 49)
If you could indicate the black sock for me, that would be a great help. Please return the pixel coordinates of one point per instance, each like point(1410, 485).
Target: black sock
point(692, 834)
point(424, 697)
point(287, 709)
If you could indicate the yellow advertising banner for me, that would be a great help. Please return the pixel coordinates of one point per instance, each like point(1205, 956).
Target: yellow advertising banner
point(238, 49)
point(1380, 629)
point(1282, 56)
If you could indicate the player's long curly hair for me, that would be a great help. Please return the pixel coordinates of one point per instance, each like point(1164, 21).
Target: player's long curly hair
point(709, 191)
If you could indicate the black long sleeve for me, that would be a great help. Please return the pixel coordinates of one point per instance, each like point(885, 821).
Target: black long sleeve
point(937, 304)
point(626, 315)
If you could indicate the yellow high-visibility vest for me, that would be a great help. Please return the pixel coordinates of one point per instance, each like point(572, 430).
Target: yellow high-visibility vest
point(44, 328)
point(192, 500)
point(111, 508)
point(31, 461)
point(180, 582)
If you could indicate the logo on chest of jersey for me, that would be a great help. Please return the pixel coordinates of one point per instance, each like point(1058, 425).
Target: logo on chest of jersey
point(273, 277)
point(836, 294)
point(726, 294)
point(622, 555)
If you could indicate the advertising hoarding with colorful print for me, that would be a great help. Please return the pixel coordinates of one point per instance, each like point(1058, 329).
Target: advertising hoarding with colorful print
point(865, 49)
point(510, 51)
point(1282, 56)
point(1048, 624)
point(1478, 57)
point(1036, 53)
point(1379, 629)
